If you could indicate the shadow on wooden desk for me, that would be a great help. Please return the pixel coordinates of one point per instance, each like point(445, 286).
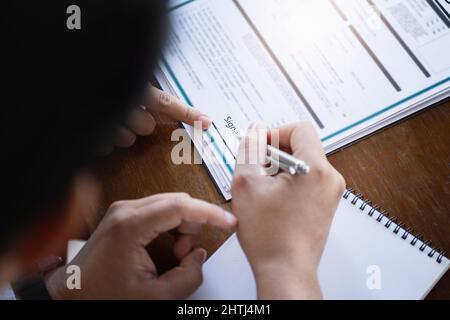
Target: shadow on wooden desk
point(405, 169)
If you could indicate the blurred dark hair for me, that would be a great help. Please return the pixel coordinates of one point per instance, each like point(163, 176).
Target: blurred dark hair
point(65, 92)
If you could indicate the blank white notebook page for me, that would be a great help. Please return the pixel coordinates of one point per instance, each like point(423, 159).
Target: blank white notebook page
point(363, 259)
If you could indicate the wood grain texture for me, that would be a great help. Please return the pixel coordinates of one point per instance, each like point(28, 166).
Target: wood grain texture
point(404, 169)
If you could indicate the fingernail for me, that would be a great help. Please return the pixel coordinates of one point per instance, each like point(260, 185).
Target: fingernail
point(206, 121)
point(231, 218)
point(201, 255)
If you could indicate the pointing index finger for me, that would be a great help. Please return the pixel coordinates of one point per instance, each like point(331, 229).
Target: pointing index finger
point(163, 102)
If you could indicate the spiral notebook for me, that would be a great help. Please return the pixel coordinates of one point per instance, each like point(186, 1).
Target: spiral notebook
point(368, 255)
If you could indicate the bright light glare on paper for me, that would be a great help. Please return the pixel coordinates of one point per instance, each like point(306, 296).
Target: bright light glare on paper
point(313, 23)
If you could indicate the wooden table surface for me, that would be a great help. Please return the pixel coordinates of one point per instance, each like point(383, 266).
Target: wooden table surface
point(404, 169)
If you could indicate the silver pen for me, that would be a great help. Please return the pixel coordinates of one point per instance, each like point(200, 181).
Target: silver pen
point(287, 162)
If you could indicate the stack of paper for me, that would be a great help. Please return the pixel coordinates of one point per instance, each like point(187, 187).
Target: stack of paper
point(350, 67)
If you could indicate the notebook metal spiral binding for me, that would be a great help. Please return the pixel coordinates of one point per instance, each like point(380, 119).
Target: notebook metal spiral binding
point(400, 228)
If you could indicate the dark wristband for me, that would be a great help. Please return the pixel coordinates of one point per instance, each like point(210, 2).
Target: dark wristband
point(32, 288)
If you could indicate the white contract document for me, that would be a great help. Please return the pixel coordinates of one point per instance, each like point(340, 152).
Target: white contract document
point(350, 67)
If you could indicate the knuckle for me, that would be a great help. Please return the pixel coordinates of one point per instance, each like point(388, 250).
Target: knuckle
point(121, 221)
point(324, 171)
point(180, 201)
point(165, 99)
point(242, 181)
point(122, 218)
point(183, 197)
point(329, 176)
point(188, 113)
point(117, 206)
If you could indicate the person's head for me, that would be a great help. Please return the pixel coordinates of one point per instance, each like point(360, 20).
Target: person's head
point(66, 90)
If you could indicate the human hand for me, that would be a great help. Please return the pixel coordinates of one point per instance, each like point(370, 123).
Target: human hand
point(114, 263)
point(140, 122)
point(284, 220)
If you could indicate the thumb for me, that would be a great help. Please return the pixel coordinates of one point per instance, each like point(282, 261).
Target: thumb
point(182, 281)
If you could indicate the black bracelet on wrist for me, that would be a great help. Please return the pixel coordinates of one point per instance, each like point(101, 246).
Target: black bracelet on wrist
point(32, 287)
